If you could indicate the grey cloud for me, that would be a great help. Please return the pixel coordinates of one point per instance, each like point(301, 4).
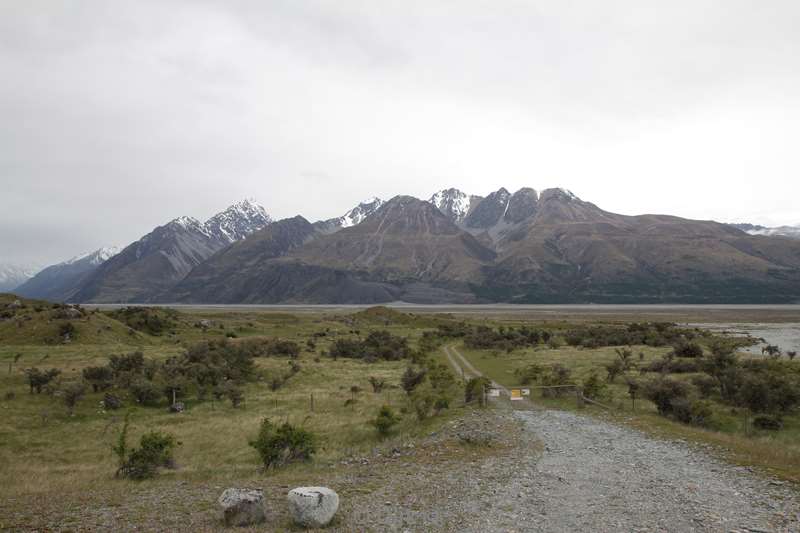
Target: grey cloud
point(120, 116)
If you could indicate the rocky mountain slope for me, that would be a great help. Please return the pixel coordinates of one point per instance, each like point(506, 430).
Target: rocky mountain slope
point(156, 262)
point(60, 282)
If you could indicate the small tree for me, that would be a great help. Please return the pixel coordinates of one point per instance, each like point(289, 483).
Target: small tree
point(38, 379)
point(385, 420)
point(411, 379)
point(475, 390)
point(593, 386)
point(99, 377)
point(71, 394)
point(377, 384)
point(145, 392)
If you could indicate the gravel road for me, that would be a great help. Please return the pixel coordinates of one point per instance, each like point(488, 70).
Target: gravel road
point(596, 476)
point(593, 475)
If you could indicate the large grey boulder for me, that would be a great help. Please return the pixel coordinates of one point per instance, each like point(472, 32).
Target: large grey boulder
point(313, 506)
point(243, 507)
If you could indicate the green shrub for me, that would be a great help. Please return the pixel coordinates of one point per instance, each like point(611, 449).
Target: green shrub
point(286, 348)
point(664, 392)
point(155, 451)
point(38, 379)
point(99, 377)
point(71, 394)
point(385, 420)
point(145, 392)
point(377, 384)
point(149, 320)
point(423, 402)
point(412, 378)
point(768, 422)
point(593, 386)
point(688, 349)
point(529, 374)
point(557, 376)
point(705, 385)
point(280, 445)
point(694, 412)
point(475, 390)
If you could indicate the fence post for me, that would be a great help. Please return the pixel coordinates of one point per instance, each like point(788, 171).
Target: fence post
point(312, 402)
point(579, 397)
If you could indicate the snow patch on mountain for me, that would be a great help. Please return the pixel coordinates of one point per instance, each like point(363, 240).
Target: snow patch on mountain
point(360, 212)
point(14, 275)
point(95, 257)
point(453, 203)
point(779, 231)
point(238, 221)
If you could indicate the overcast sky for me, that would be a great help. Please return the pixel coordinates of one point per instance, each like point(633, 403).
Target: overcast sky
point(119, 116)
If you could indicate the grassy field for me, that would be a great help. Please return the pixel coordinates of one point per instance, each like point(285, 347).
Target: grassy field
point(67, 461)
point(45, 451)
point(776, 452)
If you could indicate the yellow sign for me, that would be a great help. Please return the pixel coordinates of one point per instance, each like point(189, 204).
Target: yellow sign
point(516, 394)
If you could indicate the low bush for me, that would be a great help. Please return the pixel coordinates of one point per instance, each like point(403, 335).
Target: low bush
point(38, 379)
point(280, 445)
point(688, 349)
point(593, 386)
point(377, 384)
point(664, 392)
point(379, 345)
point(155, 451)
point(529, 374)
point(694, 412)
point(767, 422)
point(411, 379)
point(145, 392)
point(385, 420)
point(99, 377)
point(557, 377)
point(71, 394)
point(475, 390)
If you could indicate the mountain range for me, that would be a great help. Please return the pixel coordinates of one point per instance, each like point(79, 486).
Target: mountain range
point(779, 231)
point(521, 247)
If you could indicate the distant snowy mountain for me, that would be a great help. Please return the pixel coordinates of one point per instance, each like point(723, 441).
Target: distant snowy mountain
point(163, 257)
point(12, 276)
point(455, 204)
point(60, 282)
point(779, 231)
point(351, 218)
point(238, 221)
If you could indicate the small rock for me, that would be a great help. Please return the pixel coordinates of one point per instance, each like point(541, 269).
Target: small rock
point(313, 506)
point(243, 507)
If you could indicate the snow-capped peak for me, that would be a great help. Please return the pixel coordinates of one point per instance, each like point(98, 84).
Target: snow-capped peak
point(238, 221)
point(452, 202)
point(360, 212)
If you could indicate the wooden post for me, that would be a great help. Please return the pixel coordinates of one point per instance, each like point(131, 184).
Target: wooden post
point(312, 402)
point(579, 397)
